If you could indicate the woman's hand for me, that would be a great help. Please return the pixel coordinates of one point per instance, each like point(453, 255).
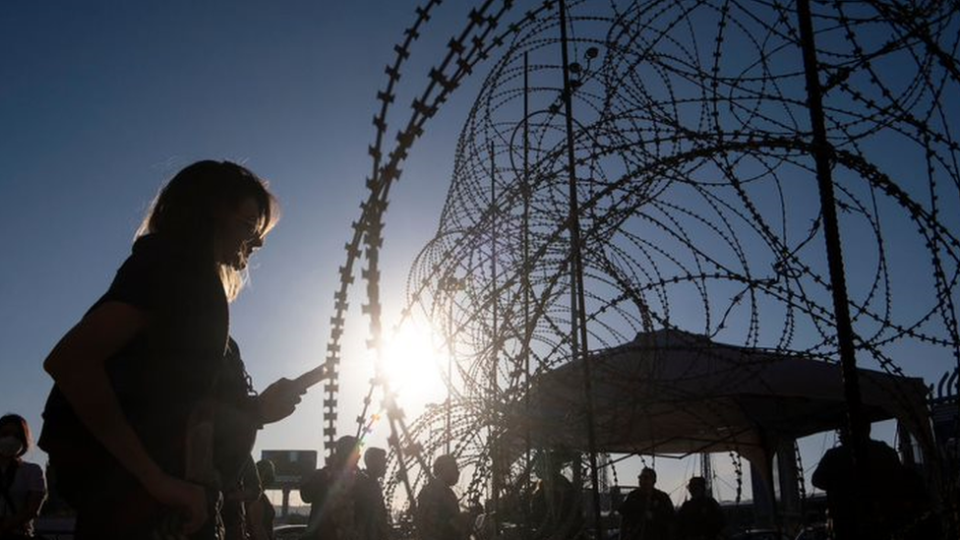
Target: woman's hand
point(279, 400)
point(189, 500)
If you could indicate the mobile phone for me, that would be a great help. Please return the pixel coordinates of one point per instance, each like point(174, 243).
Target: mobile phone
point(311, 377)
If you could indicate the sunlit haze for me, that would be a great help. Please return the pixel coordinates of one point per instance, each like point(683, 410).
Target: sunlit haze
point(415, 365)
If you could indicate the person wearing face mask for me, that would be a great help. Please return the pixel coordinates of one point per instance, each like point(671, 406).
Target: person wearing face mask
point(22, 488)
point(152, 413)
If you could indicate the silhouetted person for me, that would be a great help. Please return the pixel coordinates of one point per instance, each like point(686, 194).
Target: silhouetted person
point(882, 483)
point(438, 514)
point(260, 513)
point(647, 513)
point(557, 507)
point(700, 517)
point(140, 381)
point(372, 520)
point(22, 489)
point(332, 495)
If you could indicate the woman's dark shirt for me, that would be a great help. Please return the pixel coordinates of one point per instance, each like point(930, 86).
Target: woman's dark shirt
point(166, 370)
point(236, 418)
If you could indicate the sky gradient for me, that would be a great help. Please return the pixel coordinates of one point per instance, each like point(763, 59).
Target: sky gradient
point(101, 102)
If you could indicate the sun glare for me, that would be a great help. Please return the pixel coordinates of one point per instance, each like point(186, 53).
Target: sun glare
point(415, 363)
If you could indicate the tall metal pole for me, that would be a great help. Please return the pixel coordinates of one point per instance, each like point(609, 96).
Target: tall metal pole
point(578, 315)
point(449, 373)
point(822, 155)
point(450, 289)
point(494, 348)
point(706, 471)
point(525, 284)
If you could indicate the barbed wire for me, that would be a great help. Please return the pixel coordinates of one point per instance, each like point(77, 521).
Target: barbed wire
point(698, 207)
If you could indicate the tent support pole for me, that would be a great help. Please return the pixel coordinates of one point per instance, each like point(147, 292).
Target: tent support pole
point(823, 156)
point(578, 316)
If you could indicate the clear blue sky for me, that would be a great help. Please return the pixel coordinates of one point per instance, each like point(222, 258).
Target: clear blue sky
point(102, 101)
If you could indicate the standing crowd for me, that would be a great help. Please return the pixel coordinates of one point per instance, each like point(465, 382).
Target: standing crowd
point(346, 502)
point(648, 513)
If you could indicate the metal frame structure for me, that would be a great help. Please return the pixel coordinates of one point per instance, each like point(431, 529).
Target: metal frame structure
point(659, 177)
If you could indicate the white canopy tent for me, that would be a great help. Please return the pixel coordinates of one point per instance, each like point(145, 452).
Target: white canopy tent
point(674, 392)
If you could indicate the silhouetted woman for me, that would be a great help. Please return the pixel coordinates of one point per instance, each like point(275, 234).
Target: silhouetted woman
point(151, 399)
point(22, 488)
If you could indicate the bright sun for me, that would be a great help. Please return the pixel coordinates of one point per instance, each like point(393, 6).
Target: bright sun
point(415, 363)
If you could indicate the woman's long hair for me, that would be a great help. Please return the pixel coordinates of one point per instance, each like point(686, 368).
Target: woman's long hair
point(189, 208)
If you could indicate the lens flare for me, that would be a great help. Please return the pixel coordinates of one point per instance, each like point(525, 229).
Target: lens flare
point(414, 363)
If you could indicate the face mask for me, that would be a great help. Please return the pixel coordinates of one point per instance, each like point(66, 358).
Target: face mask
point(10, 446)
